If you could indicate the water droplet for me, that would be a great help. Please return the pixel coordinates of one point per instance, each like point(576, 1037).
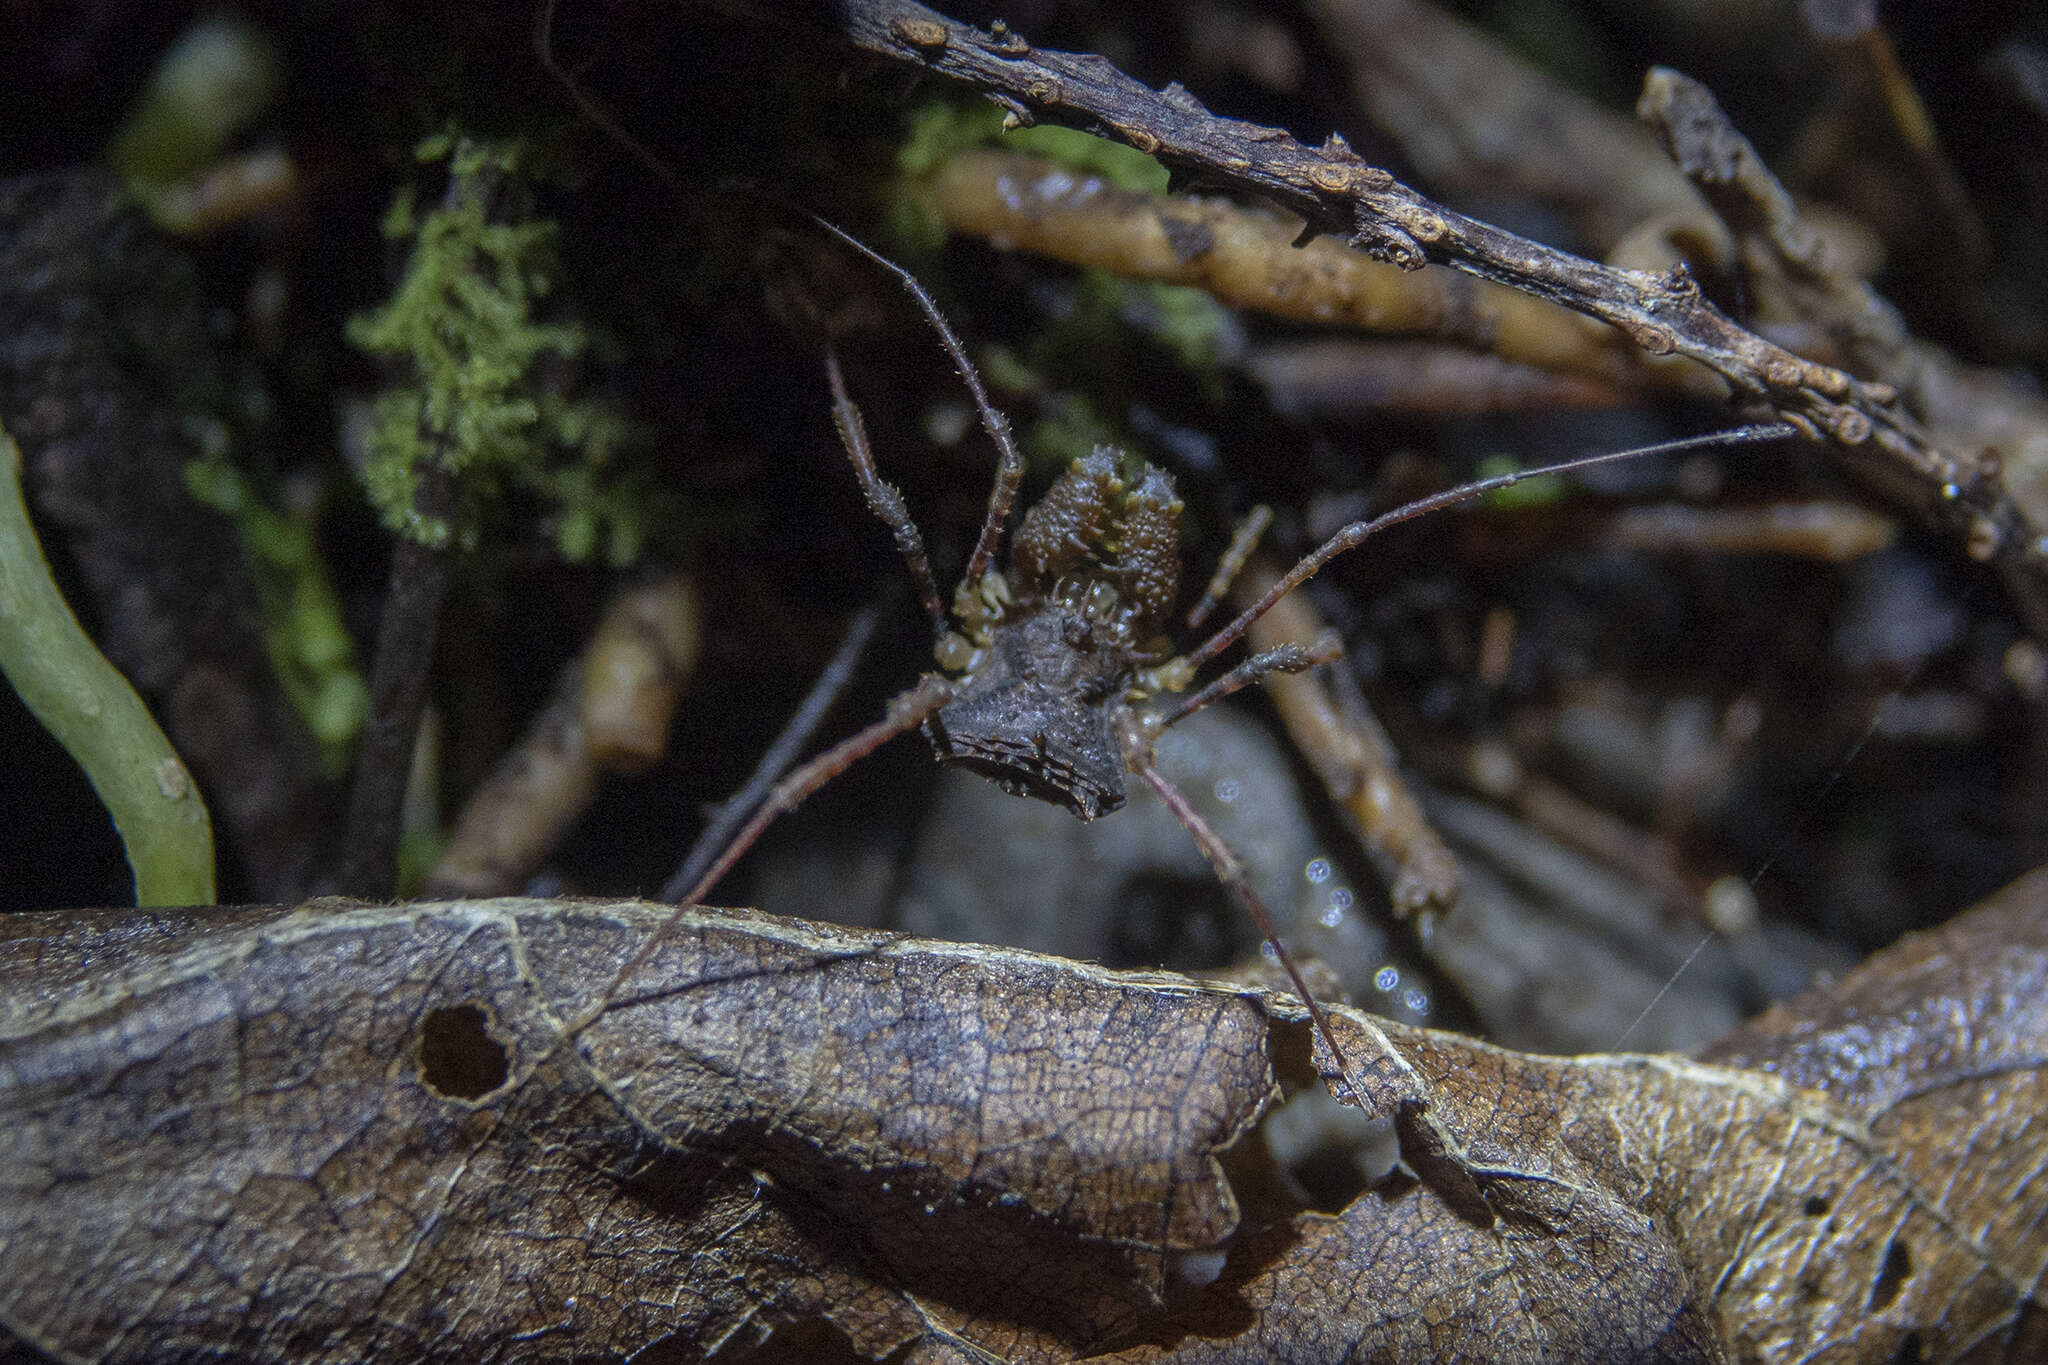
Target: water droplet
point(1417, 1001)
point(1386, 978)
point(1341, 898)
point(1332, 916)
point(1269, 952)
point(1318, 870)
point(1227, 790)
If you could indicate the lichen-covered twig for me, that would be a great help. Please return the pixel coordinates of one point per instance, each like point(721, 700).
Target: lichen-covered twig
point(1337, 192)
point(1792, 274)
point(466, 417)
point(92, 711)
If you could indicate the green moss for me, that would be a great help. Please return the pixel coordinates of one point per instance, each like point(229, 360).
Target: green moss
point(466, 321)
point(310, 649)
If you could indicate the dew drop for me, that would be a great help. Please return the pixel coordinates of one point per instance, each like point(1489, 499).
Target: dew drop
point(1341, 898)
point(1227, 790)
point(1332, 916)
point(1269, 952)
point(1386, 978)
point(1318, 870)
point(1417, 1001)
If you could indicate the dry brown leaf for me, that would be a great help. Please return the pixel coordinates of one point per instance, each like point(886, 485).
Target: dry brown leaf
point(350, 1132)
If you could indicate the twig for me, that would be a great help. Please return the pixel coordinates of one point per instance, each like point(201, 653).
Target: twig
point(406, 634)
point(1966, 408)
point(1337, 192)
point(1345, 746)
point(610, 712)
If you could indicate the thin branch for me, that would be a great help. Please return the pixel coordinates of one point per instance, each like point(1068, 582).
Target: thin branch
point(406, 634)
point(1337, 192)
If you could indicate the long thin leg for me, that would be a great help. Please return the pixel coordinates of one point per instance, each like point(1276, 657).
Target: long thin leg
point(1230, 871)
point(1358, 531)
point(838, 671)
point(907, 711)
point(1009, 460)
point(1242, 542)
point(1292, 657)
point(544, 48)
point(885, 500)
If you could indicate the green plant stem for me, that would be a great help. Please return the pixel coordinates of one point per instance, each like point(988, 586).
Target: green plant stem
point(89, 707)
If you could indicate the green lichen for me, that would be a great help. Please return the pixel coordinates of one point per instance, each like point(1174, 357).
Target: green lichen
point(466, 322)
point(84, 702)
point(310, 648)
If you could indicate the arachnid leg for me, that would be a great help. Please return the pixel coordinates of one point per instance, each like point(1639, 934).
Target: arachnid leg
point(907, 711)
point(1009, 460)
point(1287, 658)
point(1356, 534)
point(885, 500)
point(1243, 541)
point(1135, 737)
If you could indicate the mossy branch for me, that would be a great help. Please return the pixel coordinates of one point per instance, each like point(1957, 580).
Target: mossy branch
point(89, 707)
point(465, 326)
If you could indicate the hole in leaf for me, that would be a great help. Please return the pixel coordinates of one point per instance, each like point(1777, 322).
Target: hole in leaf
point(1327, 1153)
point(1892, 1275)
point(458, 1057)
point(1815, 1206)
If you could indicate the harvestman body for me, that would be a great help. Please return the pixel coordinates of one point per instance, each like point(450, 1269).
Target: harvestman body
point(1055, 669)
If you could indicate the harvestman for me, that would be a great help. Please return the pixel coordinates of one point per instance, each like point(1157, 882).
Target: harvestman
point(1055, 671)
